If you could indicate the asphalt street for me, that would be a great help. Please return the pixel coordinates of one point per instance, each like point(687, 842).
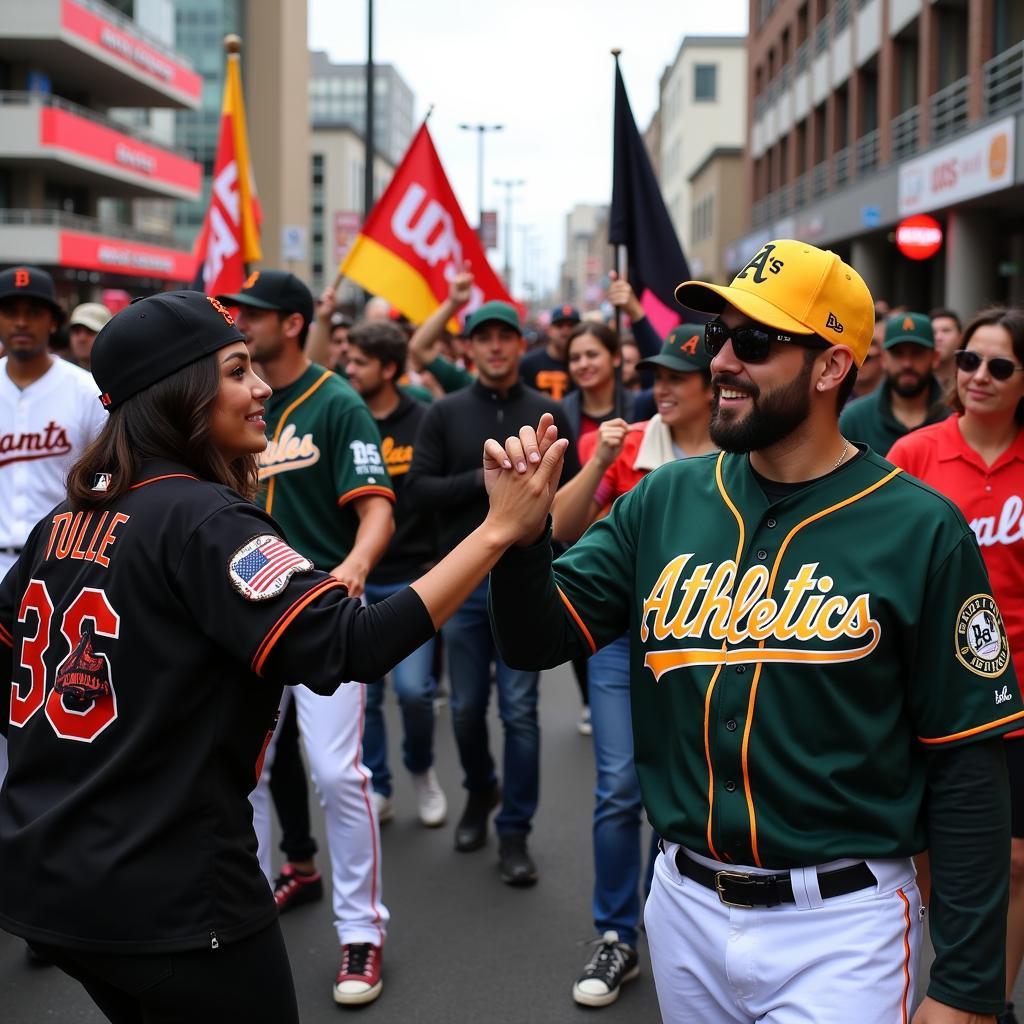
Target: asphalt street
point(462, 947)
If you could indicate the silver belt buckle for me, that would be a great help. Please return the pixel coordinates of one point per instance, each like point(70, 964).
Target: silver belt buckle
point(733, 876)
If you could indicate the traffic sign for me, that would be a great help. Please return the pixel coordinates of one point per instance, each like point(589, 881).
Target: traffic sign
point(919, 237)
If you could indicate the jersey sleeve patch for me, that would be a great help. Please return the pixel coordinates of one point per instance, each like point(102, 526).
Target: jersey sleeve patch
point(981, 642)
point(261, 568)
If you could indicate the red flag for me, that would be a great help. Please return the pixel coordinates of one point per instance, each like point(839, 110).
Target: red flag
point(416, 239)
point(230, 237)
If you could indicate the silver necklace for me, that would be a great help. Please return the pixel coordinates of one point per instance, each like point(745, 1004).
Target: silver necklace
point(839, 461)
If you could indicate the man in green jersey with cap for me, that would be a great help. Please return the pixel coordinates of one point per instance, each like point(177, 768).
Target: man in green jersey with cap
point(326, 484)
point(819, 680)
point(910, 395)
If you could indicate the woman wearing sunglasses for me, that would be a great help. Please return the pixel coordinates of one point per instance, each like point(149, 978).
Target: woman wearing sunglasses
point(977, 460)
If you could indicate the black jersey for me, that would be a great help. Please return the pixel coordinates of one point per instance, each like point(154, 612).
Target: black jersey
point(147, 643)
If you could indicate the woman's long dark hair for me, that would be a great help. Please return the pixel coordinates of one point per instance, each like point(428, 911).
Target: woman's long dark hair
point(168, 420)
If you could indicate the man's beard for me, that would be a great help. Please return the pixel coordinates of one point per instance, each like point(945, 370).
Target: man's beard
point(908, 389)
point(771, 419)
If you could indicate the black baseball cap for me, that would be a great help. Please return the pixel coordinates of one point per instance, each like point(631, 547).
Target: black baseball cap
point(273, 289)
point(154, 337)
point(565, 314)
point(683, 351)
point(27, 282)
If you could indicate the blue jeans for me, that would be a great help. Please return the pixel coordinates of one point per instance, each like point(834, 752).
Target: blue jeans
point(471, 651)
point(415, 686)
point(618, 807)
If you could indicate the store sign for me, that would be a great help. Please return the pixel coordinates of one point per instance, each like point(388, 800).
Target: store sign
point(971, 166)
point(78, 136)
point(919, 237)
point(85, 24)
point(347, 224)
point(118, 256)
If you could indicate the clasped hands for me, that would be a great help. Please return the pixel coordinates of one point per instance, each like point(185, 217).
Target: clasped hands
point(521, 477)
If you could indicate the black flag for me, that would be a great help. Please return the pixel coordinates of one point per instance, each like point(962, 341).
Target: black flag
point(639, 218)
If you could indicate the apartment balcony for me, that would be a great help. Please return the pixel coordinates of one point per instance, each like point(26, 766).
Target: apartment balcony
point(75, 145)
point(841, 167)
point(92, 48)
point(905, 133)
point(801, 190)
point(1004, 80)
point(52, 238)
point(948, 110)
point(867, 152)
point(819, 179)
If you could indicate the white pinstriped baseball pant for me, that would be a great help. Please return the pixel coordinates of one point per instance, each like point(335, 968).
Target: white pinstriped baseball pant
point(332, 732)
point(846, 960)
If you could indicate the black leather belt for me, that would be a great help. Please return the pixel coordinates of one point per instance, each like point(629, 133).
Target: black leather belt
point(10, 551)
point(742, 889)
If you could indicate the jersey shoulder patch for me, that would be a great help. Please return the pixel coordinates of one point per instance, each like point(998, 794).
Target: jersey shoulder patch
point(261, 567)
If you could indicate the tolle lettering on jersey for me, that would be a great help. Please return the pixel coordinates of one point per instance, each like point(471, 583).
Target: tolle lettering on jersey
point(288, 452)
point(44, 444)
point(76, 535)
point(1008, 528)
point(711, 604)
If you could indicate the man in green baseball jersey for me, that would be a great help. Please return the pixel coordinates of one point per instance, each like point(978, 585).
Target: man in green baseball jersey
point(819, 681)
point(326, 484)
point(910, 396)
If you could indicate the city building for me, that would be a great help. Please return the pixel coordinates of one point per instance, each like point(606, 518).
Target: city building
point(337, 171)
point(716, 218)
point(86, 186)
point(864, 112)
point(588, 256)
point(337, 96)
point(702, 105)
point(275, 69)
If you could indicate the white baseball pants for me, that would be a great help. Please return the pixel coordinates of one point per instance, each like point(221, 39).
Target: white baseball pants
point(332, 732)
point(845, 960)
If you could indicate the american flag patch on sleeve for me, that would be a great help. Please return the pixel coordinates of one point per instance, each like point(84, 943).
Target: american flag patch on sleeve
point(262, 567)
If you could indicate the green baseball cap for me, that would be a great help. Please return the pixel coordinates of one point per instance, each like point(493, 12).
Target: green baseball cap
point(914, 328)
point(502, 312)
point(683, 351)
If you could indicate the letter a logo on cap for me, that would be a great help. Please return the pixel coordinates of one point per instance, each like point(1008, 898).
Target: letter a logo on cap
point(908, 324)
point(251, 280)
point(21, 278)
point(690, 346)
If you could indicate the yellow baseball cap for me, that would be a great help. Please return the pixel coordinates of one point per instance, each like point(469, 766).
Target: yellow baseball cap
point(798, 288)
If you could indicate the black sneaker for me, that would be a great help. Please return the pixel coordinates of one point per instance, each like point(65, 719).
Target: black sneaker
point(1007, 1016)
point(611, 964)
point(471, 831)
point(517, 867)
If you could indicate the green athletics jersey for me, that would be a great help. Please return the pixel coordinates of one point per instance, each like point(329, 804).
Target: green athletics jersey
point(792, 664)
point(324, 451)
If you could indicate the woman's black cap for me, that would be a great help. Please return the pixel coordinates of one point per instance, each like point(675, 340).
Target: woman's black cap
point(154, 337)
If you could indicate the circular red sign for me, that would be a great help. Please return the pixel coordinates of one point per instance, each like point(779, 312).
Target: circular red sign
point(919, 237)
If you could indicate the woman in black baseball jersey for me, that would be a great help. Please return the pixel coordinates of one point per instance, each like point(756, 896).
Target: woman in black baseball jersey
point(148, 628)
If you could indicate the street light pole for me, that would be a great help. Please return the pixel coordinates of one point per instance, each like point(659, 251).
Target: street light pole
point(508, 184)
point(481, 130)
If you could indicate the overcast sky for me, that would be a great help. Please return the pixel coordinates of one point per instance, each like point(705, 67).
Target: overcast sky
point(540, 67)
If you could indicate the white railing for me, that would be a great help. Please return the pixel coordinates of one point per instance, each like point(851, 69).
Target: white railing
point(1004, 80)
point(948, 108)
point(867, 151)
point(905, 133)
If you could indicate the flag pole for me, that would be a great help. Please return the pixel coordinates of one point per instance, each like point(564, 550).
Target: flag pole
point(621, 256)
point(233, 49)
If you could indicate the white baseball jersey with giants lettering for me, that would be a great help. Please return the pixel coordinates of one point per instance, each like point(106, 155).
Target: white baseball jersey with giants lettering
point(43, 429)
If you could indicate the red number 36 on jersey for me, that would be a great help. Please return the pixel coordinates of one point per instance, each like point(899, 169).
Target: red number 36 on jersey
point(81, 703)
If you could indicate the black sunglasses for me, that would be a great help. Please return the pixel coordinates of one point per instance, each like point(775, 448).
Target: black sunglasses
point(999, 368)
point(753, 344)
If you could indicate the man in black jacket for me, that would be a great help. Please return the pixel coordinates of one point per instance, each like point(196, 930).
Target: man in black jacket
point(447, 476)
point(376, 356)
